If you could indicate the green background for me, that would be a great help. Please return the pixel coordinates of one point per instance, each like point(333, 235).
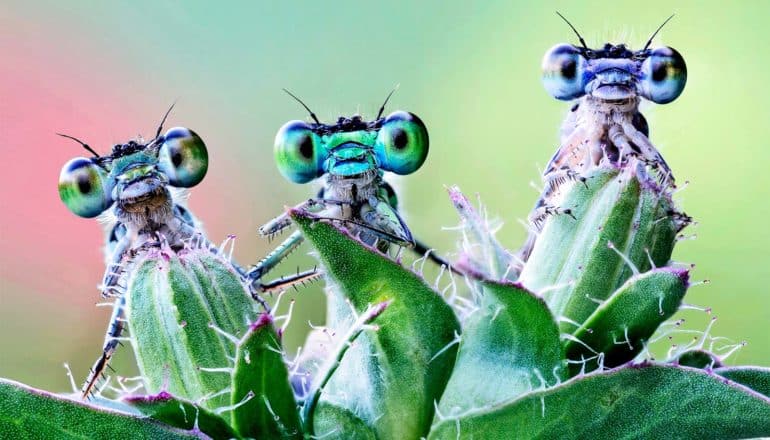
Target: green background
point(107, 70)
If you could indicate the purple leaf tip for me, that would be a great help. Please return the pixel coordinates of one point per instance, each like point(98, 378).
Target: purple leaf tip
point(263, 320)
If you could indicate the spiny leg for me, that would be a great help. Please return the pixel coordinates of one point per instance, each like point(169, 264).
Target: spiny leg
point(356, 227)
point(286, 282)
point(283, 221)
point(555, 179)
point(121, 256)
point(618, 138)
point(111, 342)
point(275, 225)
point(649, 152)
point(287, 246)
point(254, 276)
point(537, 218)
point(541, 213)
point(118, 260)
point(276, 256)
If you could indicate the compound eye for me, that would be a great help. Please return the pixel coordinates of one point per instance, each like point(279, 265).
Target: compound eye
point(564, 73)
point(298, 152)
point(402, 143)
point(183, 157)
point(664, 75)
point(85, 187)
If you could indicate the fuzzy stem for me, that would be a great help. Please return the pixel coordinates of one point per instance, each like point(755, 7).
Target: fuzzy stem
point(358, 326)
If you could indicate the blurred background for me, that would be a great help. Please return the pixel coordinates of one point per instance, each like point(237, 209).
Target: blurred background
point(107, 71)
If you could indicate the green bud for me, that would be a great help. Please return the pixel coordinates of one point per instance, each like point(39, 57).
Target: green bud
point(173, 302)
point(611, 223)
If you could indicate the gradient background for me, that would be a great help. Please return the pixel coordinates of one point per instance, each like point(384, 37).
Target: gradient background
point(106, 71)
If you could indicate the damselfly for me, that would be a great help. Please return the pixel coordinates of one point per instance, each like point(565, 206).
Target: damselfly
point(353, 155)
point(137, 191)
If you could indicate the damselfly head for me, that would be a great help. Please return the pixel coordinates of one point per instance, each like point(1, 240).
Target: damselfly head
point(135, 174)
point(614, 73)
point(351, 147)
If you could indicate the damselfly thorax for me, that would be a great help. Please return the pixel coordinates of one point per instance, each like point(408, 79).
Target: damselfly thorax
point(596, 131)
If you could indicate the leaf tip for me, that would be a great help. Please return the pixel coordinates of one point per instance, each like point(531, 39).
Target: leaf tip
point(263, 320)
point(683, 274)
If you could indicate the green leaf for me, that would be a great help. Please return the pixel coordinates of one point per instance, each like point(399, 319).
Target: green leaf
point(181, 413)
point(756, 378)
point(389, 378)
point(172, 301)
point(643, 401)
point(621, 325)
point(335, 423)
point(571, 264)
point(29, 413)
point(260, 372)
point(653, 234)
point(481, 250)
point(509, 346)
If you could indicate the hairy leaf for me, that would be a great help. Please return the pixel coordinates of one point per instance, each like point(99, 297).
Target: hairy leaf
point(618, 329)
point(172, 300)
point(181, 413)
point(389, 378)
point(29, 413)
point(509, 346)
point(261, 377)
point(480, 249)
point(572, 264)
point(756, 378)
point(335, 423)
point(645, 401)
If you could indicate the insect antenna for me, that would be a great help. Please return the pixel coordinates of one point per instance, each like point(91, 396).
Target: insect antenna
point(312, 115)
point(582, 41)
point(656, 32)
point(85, 145)
point(163, 121)
point(382, 109)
